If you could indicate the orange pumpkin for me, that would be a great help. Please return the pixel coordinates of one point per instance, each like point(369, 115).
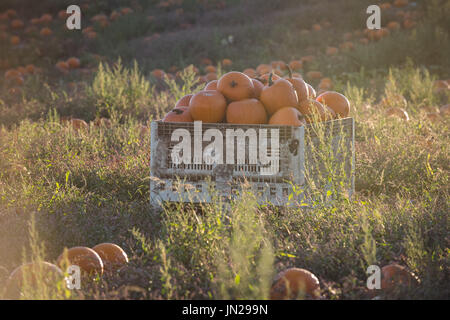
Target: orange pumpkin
point(314, 75)
point(79, 124)
point(311, 91)
point(99, 122)
point(348, 45)
point(73, 63)
point(18, 81)
point(46, 18)
point(287, 116)
point(316, 27)
point(17, 24)
point(11, 13)
point(114, 15)
point(210, 69)
point(440, 86)
point(248, 111)
point(210, 76)
point(263, 68)
point(45, 31)
point(15, 40)
point(398, 113)
point(126, 10)
point(236, 86)
point(348, 36)
point(308, 59)
point(299, 85)
point(409, 24)
point(91, 35)
point(35, 21)
point(295, 282)
point(212, 85)
point(278, 94)
point(250, 72)
point(87, 259)
point(313, 110)
point(30, 69)
point(184, 101)
point(394, 275)
point(265, 78)
point(400, 3)
point(62, 66)
point(158, 73)
point(278, 64)
point(444, 110)
point(12, 74)
point(33, 276)
point(208, 106)
point(180, 114)
point(258, 85)
point(113, 256)
point(331, 51)
point(325, 84)
point(336, 101)
point(206, 61)
point(62, 14)
point(226, 62)
point(433, 116)
point(296, 64)
point(364, 40)
point(393, 25)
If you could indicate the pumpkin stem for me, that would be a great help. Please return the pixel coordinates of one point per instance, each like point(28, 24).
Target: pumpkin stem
point(270, 79)
point(233, 84)
point(177, 111)
point(289, 70)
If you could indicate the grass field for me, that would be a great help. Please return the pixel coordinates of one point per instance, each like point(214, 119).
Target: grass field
point(61, 187)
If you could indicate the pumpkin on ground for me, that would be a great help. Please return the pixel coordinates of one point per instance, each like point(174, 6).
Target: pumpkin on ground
point(73, 63)
point(296, 64)
point(236, 86)
point(248, 111)
point(208, 106)
point(78, 124)
point(277, 95)
point(113, 256)
point(287, 116)
point(445, 110)
point(394, 275)
point(180, 114)
point(87, 259)
point(336, 101)
point(293, 283)
point(32, 276)
point(399, 113)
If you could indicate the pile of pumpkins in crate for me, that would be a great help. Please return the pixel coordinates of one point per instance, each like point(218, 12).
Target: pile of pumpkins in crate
point(269, 99)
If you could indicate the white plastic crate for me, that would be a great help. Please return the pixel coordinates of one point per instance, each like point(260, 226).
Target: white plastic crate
point(194, 182)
